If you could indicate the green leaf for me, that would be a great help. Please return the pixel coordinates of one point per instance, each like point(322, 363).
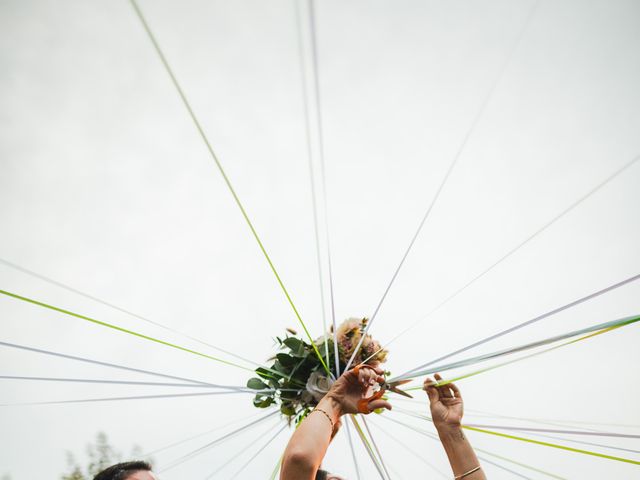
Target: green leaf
point(267, 401)
point(263, 372)
point(274, 383)
point(302, 414)
point(261, 401)
point(278, 367)
point(288, 410)
point(289, 394)
point(257, 384)
point(285, 359)
point(295, 345)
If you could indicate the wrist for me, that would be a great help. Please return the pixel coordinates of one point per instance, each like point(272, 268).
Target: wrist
point(449, 431)
point(332, 406)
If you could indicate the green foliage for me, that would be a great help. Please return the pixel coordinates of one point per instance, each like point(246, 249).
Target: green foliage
point(296, 377)
point(283, 383)
point(75, 474)
point(296, 345)
point(100, 455)
point(257, 384)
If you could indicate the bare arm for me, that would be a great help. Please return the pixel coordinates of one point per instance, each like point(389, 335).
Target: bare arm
point(447, 410)
point(308, 444)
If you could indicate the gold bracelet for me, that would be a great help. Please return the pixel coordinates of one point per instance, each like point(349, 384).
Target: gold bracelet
point(473, 470)
point(325, 414)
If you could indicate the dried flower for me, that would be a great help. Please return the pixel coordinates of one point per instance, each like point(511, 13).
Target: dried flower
point(349, 334)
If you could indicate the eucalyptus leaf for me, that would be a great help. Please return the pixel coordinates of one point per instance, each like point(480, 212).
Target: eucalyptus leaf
point(280, 367)
point(262, 401)
point(267, 401)
point(274, 382)
point(287, 409)
point(263, 372)
point(289, 394)
point(286, 360)
point(257, 384)
point(295, 345)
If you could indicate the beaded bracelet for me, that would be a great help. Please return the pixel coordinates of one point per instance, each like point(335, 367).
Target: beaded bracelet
point(325, 414)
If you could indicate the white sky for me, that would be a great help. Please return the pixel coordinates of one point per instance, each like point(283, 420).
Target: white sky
point(105, 186)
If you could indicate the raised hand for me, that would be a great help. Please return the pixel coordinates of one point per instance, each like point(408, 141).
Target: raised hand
point(351, 387)
point(445, 402)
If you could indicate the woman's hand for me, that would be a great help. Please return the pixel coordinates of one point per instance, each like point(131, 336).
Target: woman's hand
point(350, 388)
point(309, 442)
point(446, 412)
point(445, 402)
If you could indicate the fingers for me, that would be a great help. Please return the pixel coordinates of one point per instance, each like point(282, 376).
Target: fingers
point(365, 366)
point(376, 404)
point(365, 378)
point(368, 377)
point(436, 392)
point(432, 391)
point(445, 390)
point(360, 375)
point(455, 390)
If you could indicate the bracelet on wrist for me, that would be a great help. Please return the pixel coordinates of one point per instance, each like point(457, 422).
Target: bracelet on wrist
point(473, 470)
point(326, 415)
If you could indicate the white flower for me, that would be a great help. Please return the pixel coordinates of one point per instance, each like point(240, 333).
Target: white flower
point(318, 385)
point(307, 398)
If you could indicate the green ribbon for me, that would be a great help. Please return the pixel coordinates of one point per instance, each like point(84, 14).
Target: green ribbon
point(121, 329)
point(529, 440)
point(520, 464)
point(486, 452)
point(276, 468)
point(553, 445)
point(367, 446)
point(213, 155)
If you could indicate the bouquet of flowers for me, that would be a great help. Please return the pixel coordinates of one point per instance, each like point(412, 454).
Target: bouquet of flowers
point(296, 380)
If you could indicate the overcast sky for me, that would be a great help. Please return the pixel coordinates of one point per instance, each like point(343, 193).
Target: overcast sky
point(105, 186)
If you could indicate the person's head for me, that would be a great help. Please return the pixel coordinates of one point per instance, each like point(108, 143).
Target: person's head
point(136, 470)
point(324, 475)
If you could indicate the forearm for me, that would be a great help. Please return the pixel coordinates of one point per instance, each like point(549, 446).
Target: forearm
point(461, 456)
point(309, 443)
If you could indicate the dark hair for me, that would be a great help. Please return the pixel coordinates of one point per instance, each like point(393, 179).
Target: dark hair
point(121, 471)
point(322, 475)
